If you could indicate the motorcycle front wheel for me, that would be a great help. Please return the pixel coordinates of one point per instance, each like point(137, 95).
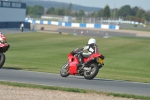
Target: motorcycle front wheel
point(2, 59)
point(92, 71)
point(64, 70)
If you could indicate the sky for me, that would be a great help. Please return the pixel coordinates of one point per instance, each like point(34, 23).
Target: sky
point(145, 4)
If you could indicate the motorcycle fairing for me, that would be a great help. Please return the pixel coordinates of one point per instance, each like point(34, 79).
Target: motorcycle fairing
point(4, 46)
point(73, 61)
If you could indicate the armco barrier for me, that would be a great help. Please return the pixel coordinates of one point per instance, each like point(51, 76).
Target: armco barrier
point(12, 25)
point(16, 29)
point(82, 25)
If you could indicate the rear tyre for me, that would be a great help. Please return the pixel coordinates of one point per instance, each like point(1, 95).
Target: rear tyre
point(90, 74)
point(64, 70)
point(2, 59)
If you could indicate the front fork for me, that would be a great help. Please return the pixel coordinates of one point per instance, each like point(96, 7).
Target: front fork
point(66, 65)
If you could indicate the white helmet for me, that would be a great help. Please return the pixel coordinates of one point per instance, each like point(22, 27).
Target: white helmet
point(92, 40)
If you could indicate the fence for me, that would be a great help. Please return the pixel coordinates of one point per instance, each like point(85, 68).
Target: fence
point(93, 20)
point(69, 24)
point(87, 22)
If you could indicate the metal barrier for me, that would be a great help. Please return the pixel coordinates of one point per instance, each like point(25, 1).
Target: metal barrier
point(68, 24)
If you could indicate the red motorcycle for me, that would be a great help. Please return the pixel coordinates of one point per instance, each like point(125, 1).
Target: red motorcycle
point(90, 69)
point(4, 46)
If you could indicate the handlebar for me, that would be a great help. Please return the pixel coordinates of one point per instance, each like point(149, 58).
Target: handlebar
point(77, 51)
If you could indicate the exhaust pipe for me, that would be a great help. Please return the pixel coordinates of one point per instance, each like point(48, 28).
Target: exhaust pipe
point(86, 68)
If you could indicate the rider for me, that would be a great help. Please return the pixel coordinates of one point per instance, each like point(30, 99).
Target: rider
point(2, 37)
point(91, 47)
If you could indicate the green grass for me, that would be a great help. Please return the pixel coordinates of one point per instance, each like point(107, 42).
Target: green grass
point(73, 90)
point(148, 26)
point(136, 29)
point(127, 58)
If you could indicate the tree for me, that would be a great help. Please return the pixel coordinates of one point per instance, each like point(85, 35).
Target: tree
point(125, 11)
point(106, 12)
point(100, 13)
point(148, 15)
point(93, 14)
point(69, 9)
point(135, 9)
point(37, 10)
point(59, 11)
point(81, 13)
point(50, 10)
point(28, 10)
point(141, 14)
point(113, 13)
point(64, 9)
point(75, 14)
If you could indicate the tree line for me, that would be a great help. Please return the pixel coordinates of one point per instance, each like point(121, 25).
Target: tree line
point(125, 12)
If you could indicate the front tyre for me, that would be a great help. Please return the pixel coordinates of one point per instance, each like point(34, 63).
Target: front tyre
point(64, 70)
point(2, 59)
point(92, 72)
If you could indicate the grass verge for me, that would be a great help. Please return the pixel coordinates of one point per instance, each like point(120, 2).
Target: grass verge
point(73, 90)
point(146, 30)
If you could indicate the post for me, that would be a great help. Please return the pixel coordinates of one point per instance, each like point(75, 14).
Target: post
point(75, 19)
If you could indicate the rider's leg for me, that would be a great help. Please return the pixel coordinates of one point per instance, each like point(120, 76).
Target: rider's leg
point(80, 58)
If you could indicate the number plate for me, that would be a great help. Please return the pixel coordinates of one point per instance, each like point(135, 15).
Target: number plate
point(100, 61)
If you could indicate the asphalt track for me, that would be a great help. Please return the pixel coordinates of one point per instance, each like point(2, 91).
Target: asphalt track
point(75, 81)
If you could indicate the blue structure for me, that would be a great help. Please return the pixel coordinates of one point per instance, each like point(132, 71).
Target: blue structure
point(12, 14)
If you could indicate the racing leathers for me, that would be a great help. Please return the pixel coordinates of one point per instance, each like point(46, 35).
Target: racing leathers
point(91, 48)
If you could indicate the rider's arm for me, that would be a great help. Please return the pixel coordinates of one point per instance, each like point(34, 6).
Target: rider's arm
point(86, 47)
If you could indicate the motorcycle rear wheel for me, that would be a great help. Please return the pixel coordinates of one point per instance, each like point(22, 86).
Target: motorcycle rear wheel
point(94, 69)
point(64, 70)
point(2, 59)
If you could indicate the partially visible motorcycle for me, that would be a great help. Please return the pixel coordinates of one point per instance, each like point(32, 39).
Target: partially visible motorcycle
point(91, 68)
point(4, 46)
